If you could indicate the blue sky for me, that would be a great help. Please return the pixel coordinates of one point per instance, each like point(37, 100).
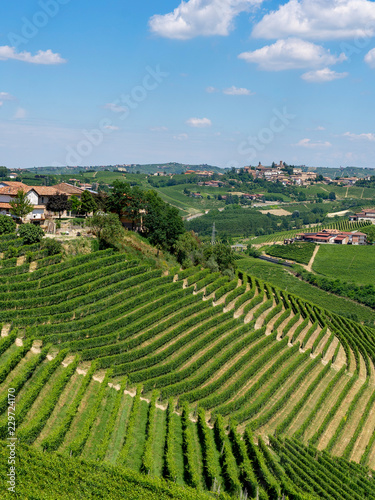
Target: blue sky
point(223, 82)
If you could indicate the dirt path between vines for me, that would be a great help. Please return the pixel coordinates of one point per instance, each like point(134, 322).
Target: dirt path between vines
point(311, 261)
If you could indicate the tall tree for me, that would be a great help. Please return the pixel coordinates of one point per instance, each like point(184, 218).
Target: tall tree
point(58, 203)
point(3, 172)
point(88, 203)
point(106, 227)
point(162, 223)
point(125, 200)
point(75, 203)
point(21, 205)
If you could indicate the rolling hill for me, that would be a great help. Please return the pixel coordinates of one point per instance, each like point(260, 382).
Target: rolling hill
point(231, 386)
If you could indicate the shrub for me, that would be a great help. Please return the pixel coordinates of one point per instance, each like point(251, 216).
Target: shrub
point(30, 233)
point(52, 246)
point(7, 224)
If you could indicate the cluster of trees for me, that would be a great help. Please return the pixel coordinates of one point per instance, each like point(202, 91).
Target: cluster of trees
point(326, 196)
point(161, 224)
point(365, 294)
point(4, 172)
point(235, 221)
point(158, 221)
point(60, 202)
point(364, 183)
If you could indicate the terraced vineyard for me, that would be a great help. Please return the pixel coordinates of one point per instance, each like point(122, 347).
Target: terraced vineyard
point(113, 360)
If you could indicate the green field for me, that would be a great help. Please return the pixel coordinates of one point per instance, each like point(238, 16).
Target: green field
point(342, 192)
point(176, 374)
point(349, 262)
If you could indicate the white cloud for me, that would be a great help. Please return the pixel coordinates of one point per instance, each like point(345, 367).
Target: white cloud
point(20, 114)
point(306, 143)
point(319, 20)
point(320, 128)
point(237, 91)
point(323, 75)
point(41, 57)
point(291, 54)
point(211, 90)
point(370, 58)
point(200, 18)
point(367, 137)
point(115, 108)
point(111, 127)
point(181, 137)
point(159, 129)
point(5, 96)
point(199, 122)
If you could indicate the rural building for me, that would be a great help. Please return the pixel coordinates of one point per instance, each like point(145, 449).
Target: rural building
point(37, 195)
point(239, 247)
point(334, 236)
point(367, 215)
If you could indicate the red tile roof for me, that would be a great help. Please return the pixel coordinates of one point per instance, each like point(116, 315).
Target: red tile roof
point(66, 188)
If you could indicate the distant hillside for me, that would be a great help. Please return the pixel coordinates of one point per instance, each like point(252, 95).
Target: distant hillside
point(342, 172)
point(150, 168)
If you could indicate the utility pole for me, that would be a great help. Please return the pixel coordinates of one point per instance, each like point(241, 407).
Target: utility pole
point(213, 234)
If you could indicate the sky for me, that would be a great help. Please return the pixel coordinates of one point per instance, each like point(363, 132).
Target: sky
point(220, 82)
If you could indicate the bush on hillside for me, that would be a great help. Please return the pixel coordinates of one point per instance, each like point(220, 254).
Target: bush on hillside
point(30, 233)
point(52, 247)
point(7, 224)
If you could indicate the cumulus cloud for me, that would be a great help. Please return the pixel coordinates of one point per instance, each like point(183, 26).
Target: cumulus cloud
point(211, 90)
point(307, 143)
point(319, 20)
point(199, 122)
point(200, 18)
point(237, 91)
point(41, 57)
point(323, 75)
point(291, 53)
point(370, 58)
point(354, 137)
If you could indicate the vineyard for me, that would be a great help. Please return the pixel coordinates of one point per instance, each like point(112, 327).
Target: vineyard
point(298, 252)
point(231, 386)
point(281, 236)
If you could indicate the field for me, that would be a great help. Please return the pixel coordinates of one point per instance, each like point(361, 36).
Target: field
point(343, 192)
point(178, 375)
point(350, 263)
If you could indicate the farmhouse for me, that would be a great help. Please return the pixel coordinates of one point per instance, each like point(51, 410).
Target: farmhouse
point(333, 236)
point(365, 215)
point(37, 195)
